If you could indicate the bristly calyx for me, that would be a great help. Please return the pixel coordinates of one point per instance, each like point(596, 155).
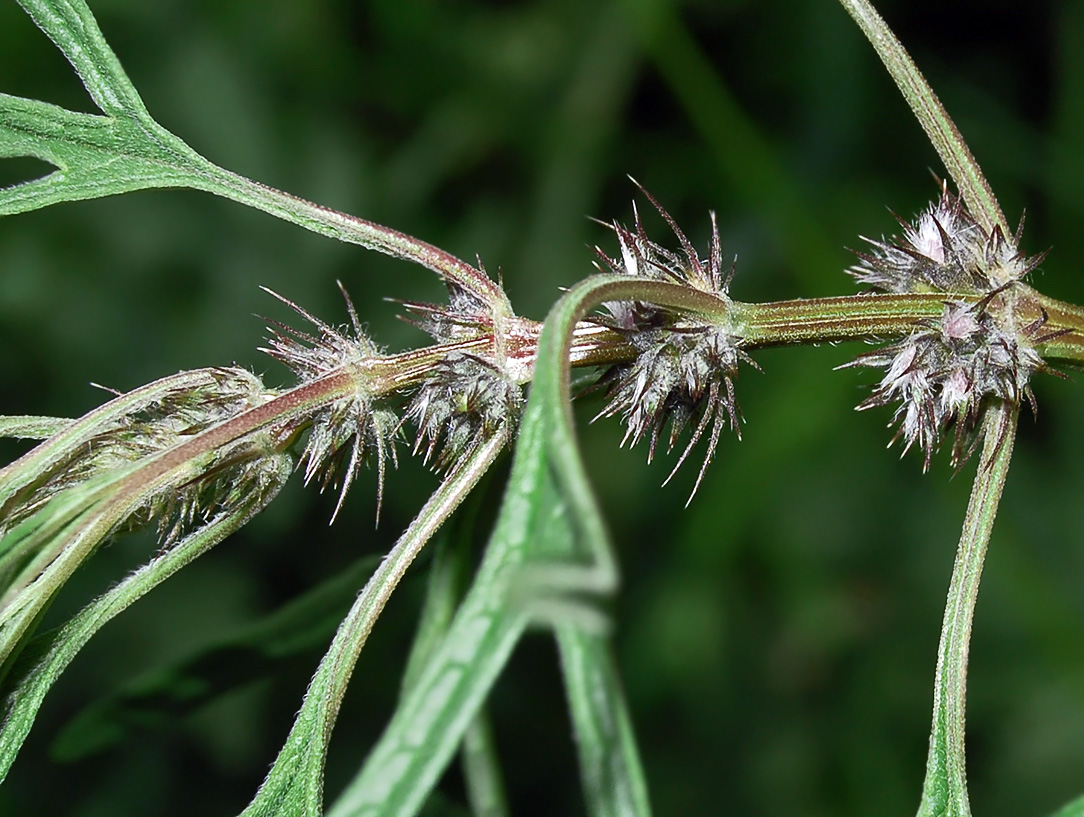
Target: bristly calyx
point(945, 373)
point(685, 364)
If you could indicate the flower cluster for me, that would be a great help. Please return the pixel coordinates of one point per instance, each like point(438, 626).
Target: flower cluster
point(944, 250)
point(685, 366)
point(459, 400)
point(464, 400)
point(146, 423)
point(472, 392)
point(348, 429)
point(945, 373)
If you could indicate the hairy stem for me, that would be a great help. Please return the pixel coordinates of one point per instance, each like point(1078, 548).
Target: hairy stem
point(945, 790)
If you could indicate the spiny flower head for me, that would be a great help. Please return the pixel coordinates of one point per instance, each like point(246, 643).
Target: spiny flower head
point(496, 336)
point(464, 317)
point(343, 432)
point(944, 250)
point(184, 406)
point(463, 401)
point(943, 376)
point(949, 369)
point(685, 367)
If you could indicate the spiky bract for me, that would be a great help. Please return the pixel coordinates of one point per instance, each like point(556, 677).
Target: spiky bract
point(948, 370)
point(944, 250)
point(463, 401)
point(344, 432)
point(685, 367)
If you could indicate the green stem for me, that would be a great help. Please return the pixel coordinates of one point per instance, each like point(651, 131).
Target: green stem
point(945, 790)
point(931, 114)
point(353, 230)
point(827, 320)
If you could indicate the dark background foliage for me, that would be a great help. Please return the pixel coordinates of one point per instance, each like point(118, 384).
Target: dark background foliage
point(778, 637)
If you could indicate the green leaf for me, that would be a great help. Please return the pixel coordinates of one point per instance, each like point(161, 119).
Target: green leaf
point(944, 792)
point(609, 759)
point(32, 428)
point(932, 116)
point(294, 786)
point(548, 549)
point(70, 25)
point(481, 764)
point(47, 657)
point(95, 156)
point(127, 150)
point(300, 626)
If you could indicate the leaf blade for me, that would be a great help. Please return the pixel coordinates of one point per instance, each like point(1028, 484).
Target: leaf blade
point(932, 116)
point(294, 786)
point(54, 652)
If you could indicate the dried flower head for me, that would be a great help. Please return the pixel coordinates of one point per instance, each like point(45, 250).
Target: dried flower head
point(344, 432)
point(944, 374)
point(944, 250)
point(463, 401)
point(685, 367)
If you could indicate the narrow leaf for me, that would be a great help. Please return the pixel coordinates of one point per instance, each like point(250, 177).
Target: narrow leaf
point(932, 116)
point(48, 656)
point(549, 544)
point(70, 24)
point(613, 782)
point(481, 764)
point(294, 786)
point(945, 789)
point(32, 428)
point(253, 653)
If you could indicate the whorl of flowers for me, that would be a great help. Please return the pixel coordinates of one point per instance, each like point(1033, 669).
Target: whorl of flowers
point(947, 371)
point(463, 401)
point(685, 367)
point(942, 376)
point(181, 407)
point(944, 250)
point(344, 432)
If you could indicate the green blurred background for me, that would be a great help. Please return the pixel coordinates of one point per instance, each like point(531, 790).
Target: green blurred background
point(778, 637)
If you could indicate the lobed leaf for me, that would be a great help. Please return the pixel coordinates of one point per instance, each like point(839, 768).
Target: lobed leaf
point(127, 150)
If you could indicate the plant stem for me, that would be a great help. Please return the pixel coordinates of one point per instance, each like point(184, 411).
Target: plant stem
point(353, 230)
point(945, 790)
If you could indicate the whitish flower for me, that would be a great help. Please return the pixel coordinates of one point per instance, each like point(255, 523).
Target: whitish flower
point(944, 250)
point(943, 375)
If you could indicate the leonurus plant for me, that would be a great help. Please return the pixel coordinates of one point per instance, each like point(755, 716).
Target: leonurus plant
point(656, 338)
